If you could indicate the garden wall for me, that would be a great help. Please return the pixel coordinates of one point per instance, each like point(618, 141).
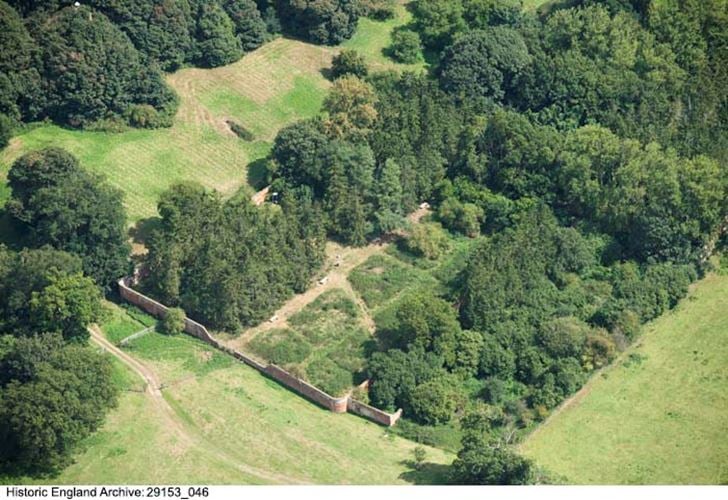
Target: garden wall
point(310, 392)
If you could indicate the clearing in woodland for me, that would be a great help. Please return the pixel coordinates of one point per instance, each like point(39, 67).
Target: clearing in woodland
point(659, 415)
point(275, 85)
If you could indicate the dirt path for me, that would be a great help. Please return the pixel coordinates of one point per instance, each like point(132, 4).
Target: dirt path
point(170, 419)
point(347, 258)
point(340, 261)
point(259, 197)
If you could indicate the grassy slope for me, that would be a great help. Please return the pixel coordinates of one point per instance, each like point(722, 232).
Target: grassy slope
point(275, 85)
point(661, 420)
point(245, 429)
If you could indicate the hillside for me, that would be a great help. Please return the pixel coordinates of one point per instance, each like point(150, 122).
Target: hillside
point(275, 85)
point(221, 422)
point(658, 415)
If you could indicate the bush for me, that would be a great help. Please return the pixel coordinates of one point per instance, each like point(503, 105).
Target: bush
point(380, 10)
point(329, 377)
point(349, 62)
point(143, 116)
point(427, 240)
point(240, 131)
point(406, 46)
point(173, 322)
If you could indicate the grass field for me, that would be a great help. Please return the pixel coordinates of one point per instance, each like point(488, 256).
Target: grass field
point(123, 322)
point(267, 89)
point(373, 37)
point(232, 425)
point(660, 413)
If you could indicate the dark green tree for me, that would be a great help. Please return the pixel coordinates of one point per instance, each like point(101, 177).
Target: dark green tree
point(249, 25)
point(63, 206)
point(216, 43)
point(320, 21)
point(49, 403)
point(91, 70)
point(484, 64)
point(68, 305)
point(25, 274)
point(349, 62)
point(484, 460)
point(406, 46)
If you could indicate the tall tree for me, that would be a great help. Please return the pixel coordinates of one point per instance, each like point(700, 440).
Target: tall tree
point(216, 44)
point(63, 206)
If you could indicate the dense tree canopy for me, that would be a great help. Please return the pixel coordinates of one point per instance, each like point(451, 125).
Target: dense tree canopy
point(92, 71)
point(484, 64)
point(52, 395)
point(63, 206)
point(320, 21)
point(239, 273)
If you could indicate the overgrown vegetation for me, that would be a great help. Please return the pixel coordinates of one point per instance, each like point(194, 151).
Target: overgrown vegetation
point(237, 273)
point(326, 343)
point(581, 148)
point(596, 217)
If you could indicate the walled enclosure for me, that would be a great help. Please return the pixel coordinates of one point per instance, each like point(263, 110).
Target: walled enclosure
point(310, 392)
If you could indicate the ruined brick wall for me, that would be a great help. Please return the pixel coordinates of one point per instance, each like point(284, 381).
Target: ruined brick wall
point(373, 414)
point(158, 310)
point(336, 405)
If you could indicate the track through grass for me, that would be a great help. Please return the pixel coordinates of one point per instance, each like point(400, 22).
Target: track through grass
point(247, 429)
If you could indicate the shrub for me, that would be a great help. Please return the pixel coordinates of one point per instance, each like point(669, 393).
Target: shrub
point(143, 116)
point(173, 322)
point(420, 454)
point(428, 240)
point(381, 10)
point(349, 62)
point(283, 352)
point(329, 377)
point(240, 131)
point(406, 46)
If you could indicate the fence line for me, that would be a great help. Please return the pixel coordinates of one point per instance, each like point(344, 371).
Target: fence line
point(337, 405)
point(136, 335)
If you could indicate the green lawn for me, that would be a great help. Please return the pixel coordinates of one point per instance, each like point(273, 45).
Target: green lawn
point(231, 425)
point(120, 322)
point(659, 414)
point(373, 37)
point(267, 89)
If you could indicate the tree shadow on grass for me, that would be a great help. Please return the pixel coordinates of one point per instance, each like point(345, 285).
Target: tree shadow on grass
point(328, 74)
point(140, 234)
point(142, 230)
point(258, 173)
point(427, 473)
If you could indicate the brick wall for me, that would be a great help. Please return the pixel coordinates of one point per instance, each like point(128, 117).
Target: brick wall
point(373, 414)
point(336, 405)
